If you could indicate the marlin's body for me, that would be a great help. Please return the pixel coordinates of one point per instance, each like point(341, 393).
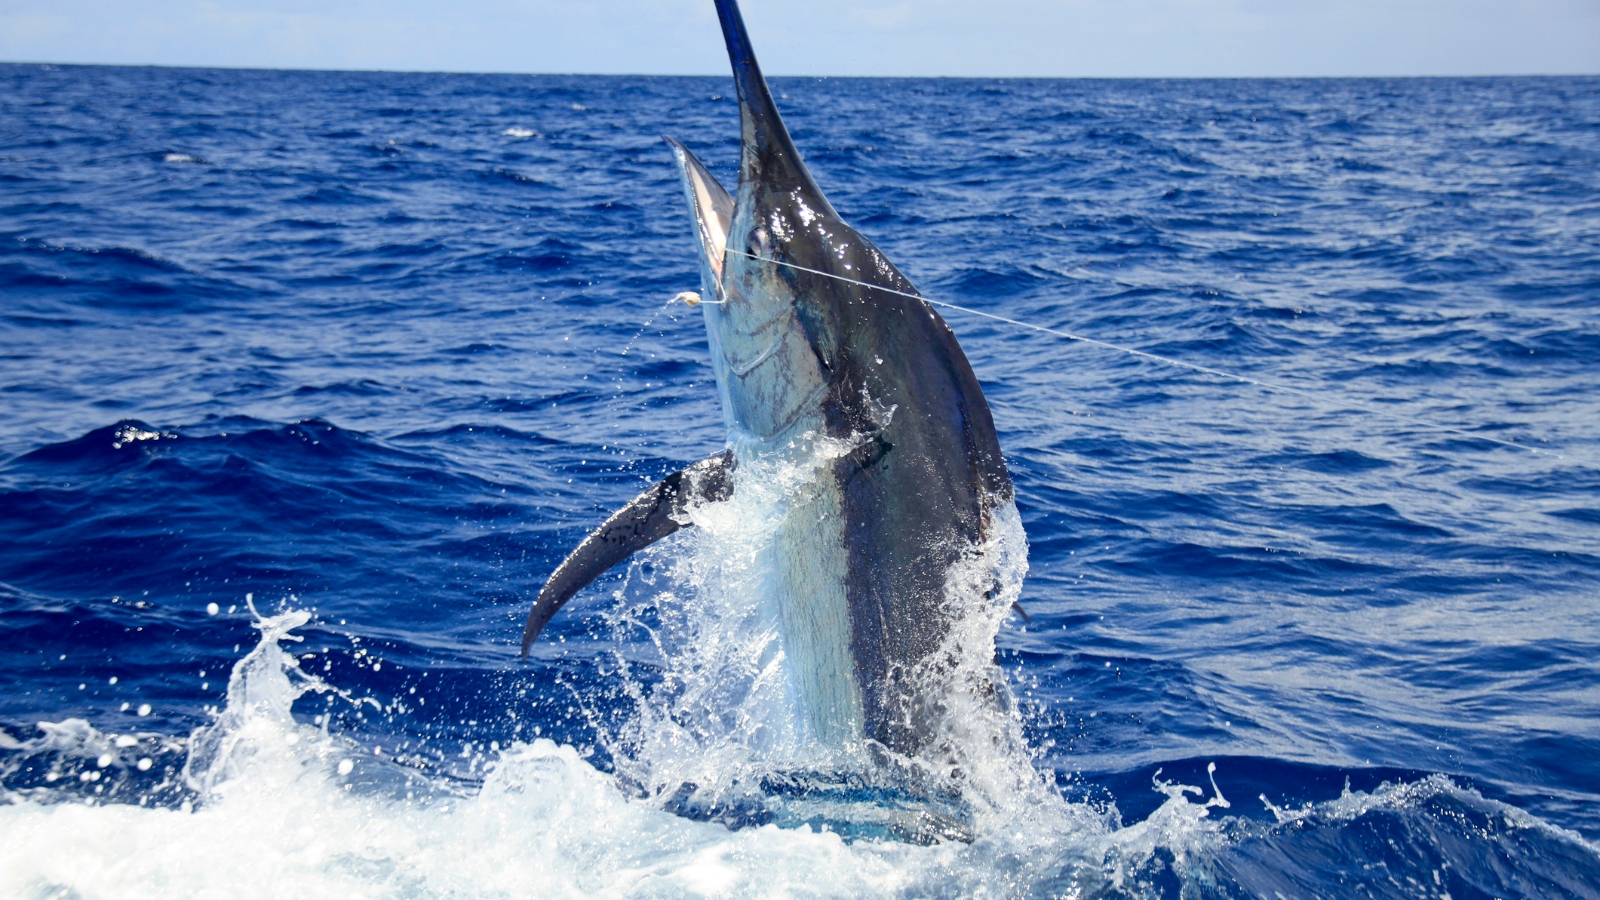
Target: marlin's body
point(814, 335)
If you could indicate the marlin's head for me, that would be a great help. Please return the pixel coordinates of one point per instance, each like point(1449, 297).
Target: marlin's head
point(797, 331)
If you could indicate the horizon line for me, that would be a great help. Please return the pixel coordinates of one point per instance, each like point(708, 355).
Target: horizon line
point(382, 71)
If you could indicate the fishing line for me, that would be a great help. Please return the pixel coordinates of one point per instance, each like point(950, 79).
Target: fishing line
point(1270, 386)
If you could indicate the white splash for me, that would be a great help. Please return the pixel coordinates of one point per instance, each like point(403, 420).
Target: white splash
point(129, 434)
point(726, 714)
point(281, 808)
point(285, 809)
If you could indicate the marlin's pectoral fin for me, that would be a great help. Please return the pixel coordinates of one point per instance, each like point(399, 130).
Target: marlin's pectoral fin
point(652, 515)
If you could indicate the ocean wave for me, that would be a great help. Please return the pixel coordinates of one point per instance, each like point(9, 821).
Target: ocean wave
point(383, 363)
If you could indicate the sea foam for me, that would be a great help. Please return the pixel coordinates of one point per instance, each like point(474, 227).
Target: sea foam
point(264, 804)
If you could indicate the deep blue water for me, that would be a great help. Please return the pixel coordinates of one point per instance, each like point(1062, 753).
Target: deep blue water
point(383, 347)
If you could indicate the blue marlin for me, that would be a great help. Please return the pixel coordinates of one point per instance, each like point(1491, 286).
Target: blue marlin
point(815, 335)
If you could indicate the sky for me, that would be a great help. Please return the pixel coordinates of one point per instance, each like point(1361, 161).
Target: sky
point(1003, 38)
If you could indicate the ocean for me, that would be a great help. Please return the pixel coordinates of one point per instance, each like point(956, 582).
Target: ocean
point(309, 379)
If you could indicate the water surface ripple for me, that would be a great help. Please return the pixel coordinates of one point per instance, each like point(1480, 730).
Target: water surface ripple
point(382, 347)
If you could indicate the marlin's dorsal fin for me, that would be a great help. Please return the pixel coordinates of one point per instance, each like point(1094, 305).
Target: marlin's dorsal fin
point(767, 154)
point(651, 516)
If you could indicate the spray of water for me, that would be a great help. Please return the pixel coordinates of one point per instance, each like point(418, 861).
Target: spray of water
point(718, 730)
point(262, 804)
